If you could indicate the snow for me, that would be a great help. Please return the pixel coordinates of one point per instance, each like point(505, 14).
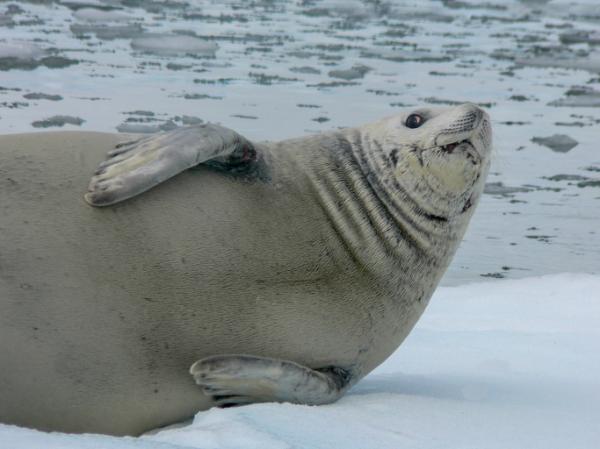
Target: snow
point(504, 364)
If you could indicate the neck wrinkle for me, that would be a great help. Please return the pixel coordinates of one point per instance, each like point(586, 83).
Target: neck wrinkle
point(404, 211)
point(362, 213)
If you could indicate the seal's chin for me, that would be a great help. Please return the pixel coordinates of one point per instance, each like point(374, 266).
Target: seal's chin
point(466, 146)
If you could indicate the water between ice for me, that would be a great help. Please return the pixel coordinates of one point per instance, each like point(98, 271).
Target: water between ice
point(274, 69)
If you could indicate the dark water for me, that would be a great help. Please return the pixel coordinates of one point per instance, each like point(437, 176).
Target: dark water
point(275, 69)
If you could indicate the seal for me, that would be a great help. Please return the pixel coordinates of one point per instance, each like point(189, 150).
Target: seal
point(279, 271)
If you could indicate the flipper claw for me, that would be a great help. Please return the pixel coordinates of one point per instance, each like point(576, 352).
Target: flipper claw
point(241, 379)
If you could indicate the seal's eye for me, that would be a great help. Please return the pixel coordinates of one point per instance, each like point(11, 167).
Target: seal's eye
point(414, 121)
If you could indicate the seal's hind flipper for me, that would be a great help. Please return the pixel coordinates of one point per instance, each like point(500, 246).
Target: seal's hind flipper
point(136, 166)
point(241, 379)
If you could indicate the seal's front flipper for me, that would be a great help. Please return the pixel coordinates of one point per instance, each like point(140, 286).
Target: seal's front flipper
point(136, 166)
point(241, 379)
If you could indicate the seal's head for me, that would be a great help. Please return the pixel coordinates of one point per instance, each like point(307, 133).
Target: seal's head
point(439, 157)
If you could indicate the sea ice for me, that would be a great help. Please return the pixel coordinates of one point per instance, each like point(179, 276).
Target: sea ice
point(58, 121)
point(560, 143)
point(355, 72)
point(172, 45)
point(42, 96)
point(100, 16)
point(580, 97)
point(21, 50)
point(491, 365)
point(28, 56)
point(107, 32)
point(580, 37)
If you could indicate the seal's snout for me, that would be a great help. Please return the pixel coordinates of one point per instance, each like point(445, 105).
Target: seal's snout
point(463, 123)
point(473, 114)
point(481, 133)
point(464, 119)
point(484, 131)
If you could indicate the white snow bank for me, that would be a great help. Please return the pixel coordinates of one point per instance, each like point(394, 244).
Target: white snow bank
point(507, 364)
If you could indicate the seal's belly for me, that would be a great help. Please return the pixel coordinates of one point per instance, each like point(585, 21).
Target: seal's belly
point(104, 310)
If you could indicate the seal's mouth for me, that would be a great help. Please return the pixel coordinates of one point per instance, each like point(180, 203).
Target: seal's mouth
point(468, 204)
point(452, 146)
point(468, 148)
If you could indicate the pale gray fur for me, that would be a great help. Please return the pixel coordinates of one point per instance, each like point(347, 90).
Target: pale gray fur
point(242, 379)
point(288, 287)
point(136, 166)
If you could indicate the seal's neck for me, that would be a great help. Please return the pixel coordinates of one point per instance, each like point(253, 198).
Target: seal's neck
point(420, 226)
point(384, 229)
